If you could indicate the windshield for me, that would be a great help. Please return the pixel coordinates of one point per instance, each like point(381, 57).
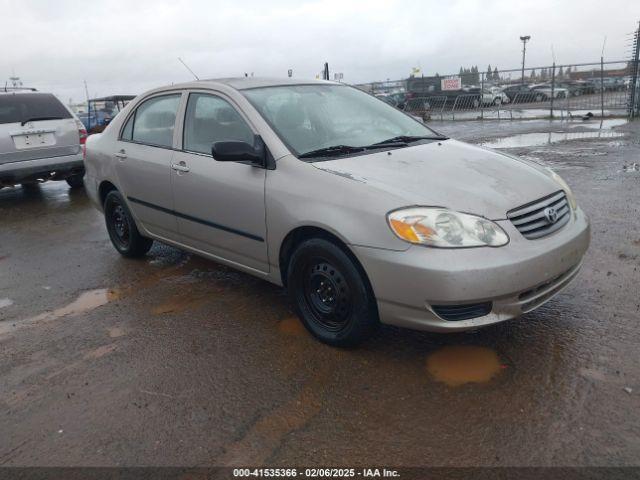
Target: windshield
point(313, 117)
point(21, 107)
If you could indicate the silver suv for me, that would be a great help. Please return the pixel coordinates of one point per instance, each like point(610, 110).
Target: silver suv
point(40, 139)
point(362, 212)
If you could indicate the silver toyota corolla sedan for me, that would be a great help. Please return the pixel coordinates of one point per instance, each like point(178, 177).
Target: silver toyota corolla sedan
point(364, 214)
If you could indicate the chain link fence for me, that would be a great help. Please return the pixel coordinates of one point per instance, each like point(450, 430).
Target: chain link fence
point(598, 89)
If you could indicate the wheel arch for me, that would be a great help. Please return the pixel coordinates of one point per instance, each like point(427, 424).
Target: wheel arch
point(103, 190)
point(299, 234)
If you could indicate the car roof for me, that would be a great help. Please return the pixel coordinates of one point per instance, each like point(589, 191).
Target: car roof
point(113, 98)
point(245, 83)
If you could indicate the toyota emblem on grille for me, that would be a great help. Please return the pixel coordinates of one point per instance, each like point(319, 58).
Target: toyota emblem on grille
point(551, 214)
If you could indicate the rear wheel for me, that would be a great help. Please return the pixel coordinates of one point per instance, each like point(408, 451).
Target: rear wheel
point(330, 293)
point(75, 181)
point(122, 229)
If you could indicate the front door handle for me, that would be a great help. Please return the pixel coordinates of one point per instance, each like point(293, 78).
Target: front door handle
point(121, 154)
point(180, 167)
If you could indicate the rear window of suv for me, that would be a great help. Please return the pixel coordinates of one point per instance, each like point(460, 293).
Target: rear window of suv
point(21, 107)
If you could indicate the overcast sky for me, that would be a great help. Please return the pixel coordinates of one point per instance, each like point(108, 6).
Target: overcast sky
point(122, 46)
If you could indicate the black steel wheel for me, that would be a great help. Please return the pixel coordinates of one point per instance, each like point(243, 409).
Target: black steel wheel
point(331, 293)
point(122, 229)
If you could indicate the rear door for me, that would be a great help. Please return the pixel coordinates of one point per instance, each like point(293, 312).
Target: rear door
point(35, 125)
point(142, 158)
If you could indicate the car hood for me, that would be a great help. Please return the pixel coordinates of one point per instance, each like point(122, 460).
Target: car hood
point(449, 174)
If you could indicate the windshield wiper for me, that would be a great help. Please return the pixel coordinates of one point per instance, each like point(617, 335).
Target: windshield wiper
point(334, 150)
point(409, 139)
point(34, 119)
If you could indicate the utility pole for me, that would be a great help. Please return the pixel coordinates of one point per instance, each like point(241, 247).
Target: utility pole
point(524, 39)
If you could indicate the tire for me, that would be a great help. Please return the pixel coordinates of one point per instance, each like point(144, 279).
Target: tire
point(122, 229)
point(75, 181)
point(539, 97)
point(497, 101)
point(331, 294)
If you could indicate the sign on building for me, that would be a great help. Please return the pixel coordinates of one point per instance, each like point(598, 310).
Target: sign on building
point(451, 83)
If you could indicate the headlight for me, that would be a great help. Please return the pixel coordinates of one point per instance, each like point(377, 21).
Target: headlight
point(558, 179)
point(439, 227)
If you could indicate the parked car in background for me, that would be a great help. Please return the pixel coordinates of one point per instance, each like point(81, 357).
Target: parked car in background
point(573, 88)
point(40, 139)
point(364, 214)
point(609, 84)
point(551, 91)
point(425, 93)
point(494, 96)
point(521, 93)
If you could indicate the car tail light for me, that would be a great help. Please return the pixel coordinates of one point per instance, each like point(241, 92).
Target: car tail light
point(82, 132)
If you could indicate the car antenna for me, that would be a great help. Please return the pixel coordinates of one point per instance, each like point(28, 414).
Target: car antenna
point(187, 67)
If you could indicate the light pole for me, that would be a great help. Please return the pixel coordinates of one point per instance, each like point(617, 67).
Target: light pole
point(524, 39)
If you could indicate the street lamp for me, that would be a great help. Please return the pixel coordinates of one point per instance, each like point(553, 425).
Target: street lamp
point(524, 39)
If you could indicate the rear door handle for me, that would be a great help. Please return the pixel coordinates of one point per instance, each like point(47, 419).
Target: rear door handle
point(121, 155)
point(180, 167)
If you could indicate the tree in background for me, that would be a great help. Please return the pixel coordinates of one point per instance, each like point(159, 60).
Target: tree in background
point(496, 75)
point(560, 72)
point(533, 74)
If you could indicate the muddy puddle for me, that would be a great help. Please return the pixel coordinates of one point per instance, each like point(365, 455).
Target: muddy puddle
point(460, 364)
point(540, 139)
point(85, 302)
point(292, 326)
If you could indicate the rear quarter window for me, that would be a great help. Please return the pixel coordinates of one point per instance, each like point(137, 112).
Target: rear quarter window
point(16, 108)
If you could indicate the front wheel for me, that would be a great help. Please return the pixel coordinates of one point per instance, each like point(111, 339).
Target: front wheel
point(122, 229)
point(331, 294)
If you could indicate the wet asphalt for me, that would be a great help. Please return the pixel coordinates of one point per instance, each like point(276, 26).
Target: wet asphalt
point(176, 360)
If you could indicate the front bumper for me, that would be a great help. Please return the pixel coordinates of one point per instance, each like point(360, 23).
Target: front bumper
point(516, 278)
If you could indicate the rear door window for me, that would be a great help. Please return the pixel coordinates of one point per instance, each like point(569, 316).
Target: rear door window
point(154, 121)
point(22, 107)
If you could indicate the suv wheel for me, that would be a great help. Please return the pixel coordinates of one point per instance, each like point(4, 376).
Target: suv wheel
point(75, 181)
point(330, 294)
point(122, 229)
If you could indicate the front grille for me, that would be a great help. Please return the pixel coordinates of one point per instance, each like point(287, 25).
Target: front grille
point(462, 312)
point(531, 219)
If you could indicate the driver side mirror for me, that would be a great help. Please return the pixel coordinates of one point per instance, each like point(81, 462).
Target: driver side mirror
point(243, 152)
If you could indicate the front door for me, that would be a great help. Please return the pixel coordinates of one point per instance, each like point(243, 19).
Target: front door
point(219, 206)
